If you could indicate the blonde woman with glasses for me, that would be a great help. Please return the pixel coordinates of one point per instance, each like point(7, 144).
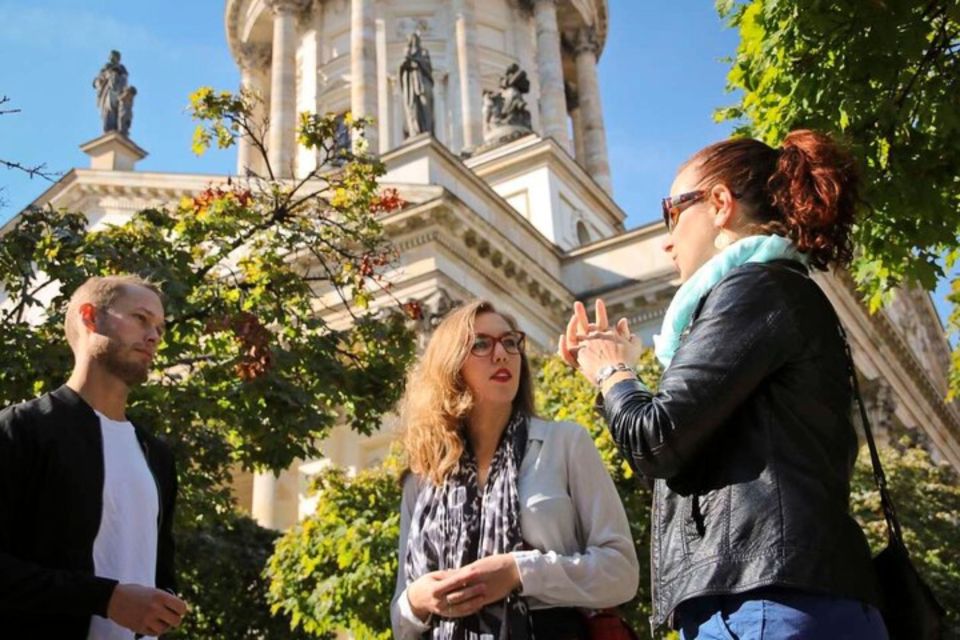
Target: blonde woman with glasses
point(509, 523)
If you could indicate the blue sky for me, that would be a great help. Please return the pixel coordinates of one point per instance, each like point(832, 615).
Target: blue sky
point(661, 77)
point(662, 74)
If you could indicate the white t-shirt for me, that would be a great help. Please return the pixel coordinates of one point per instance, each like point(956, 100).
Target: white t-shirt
point(125, 548)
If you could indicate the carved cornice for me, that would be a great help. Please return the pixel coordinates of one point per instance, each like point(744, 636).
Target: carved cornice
point(433, 308)
point(645, 315)
point(437, 222)
point(288, 6)
point(906, 359)
point(254, 56)
point(585, 40)
point(232, 20)
point(525, 8)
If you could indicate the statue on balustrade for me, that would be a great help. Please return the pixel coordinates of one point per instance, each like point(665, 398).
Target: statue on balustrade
point(416, 84)
point(505, 113)
point(110, 84)
point(125, 109)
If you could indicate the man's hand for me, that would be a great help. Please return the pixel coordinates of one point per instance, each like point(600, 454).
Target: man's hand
point(431, 593)
point(145, 610)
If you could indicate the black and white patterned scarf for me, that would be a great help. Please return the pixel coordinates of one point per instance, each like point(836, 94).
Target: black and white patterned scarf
point(455, 524)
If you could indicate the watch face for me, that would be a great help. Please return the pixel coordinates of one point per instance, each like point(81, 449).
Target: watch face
point(605, 373)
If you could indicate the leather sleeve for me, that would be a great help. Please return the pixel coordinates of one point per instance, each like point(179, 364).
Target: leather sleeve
point(744, 333)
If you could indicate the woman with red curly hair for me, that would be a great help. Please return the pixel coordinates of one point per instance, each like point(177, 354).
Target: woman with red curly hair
point(749, 441)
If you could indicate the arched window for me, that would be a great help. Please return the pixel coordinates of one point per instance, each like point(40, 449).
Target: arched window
point(583, 236)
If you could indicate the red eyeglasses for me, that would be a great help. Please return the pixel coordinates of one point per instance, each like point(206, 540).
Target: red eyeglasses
point(483, 344)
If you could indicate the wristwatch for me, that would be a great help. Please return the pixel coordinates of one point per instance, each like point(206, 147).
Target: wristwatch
point(609, 370)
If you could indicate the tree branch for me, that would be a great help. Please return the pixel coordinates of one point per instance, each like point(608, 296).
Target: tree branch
point(38, 171)
point(939, 44)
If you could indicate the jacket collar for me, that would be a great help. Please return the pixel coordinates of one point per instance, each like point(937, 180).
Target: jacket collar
point(537, 429)
point(74, 402)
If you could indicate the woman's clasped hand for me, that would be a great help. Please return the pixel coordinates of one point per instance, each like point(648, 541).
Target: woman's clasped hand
point(590, 346)
point(462, 592)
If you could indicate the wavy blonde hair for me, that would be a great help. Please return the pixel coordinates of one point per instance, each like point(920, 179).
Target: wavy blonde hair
point(437, 399)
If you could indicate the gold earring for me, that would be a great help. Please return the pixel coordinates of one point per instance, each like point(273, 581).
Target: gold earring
point(722, 241)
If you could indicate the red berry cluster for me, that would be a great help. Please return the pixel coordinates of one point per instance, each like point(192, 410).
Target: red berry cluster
point(211, 194)
point(413, 309)
point(370, 262)
point(254, 338)
point(389, 200)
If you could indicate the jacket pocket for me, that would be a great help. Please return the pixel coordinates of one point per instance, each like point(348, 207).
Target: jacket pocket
point(704, 522)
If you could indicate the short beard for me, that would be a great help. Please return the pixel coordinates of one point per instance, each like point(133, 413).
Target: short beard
point(108, 353)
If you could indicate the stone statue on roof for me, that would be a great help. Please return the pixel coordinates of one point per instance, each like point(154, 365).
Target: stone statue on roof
point(110, 84)
point(505, 113)
point(416, 84)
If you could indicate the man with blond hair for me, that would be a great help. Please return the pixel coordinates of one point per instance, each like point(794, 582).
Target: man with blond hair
point(86, 496)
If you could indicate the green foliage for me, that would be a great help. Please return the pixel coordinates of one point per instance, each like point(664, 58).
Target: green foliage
point(248, 375)
point(927, 498)
point(336, 569)
point(882, 76)
point(223, 112)
point(221, 578)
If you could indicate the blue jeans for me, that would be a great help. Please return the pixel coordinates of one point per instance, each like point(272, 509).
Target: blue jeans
point(778, 614)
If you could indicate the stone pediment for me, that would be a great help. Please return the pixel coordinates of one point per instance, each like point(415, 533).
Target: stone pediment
point(496, 252)
point(880, 350)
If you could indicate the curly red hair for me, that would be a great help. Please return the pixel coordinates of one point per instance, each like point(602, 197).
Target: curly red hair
point(807, 190)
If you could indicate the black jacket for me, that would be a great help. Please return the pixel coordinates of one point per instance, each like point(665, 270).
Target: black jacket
point(751, 444)
point(51, 494)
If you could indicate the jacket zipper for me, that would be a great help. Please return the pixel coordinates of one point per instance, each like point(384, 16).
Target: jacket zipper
point(654, 543)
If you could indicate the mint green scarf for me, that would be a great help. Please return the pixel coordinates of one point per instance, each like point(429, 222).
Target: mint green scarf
point(680, 311)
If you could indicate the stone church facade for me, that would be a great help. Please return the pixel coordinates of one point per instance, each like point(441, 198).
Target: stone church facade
point(529, 222)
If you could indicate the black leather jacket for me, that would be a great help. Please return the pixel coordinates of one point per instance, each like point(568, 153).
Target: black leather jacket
point(51, 499)
point(751, 445)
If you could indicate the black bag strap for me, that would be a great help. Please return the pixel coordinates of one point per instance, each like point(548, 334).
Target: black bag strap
point(889, 512)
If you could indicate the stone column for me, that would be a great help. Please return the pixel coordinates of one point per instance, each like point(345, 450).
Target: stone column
point(468, 79)
point(283, 86)
point(396, 108)
point(440, 88)
point(467, 70)
point(264, 506)
point(309, 45)
point(245, 150)
point(553, 110)
point(588, 92)
point(254, 63)
point(383, 96)
point(526, 57)
point(363, 68)
point(576, 116)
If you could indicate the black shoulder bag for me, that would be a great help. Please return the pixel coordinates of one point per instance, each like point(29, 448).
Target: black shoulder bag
point(909, 608)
